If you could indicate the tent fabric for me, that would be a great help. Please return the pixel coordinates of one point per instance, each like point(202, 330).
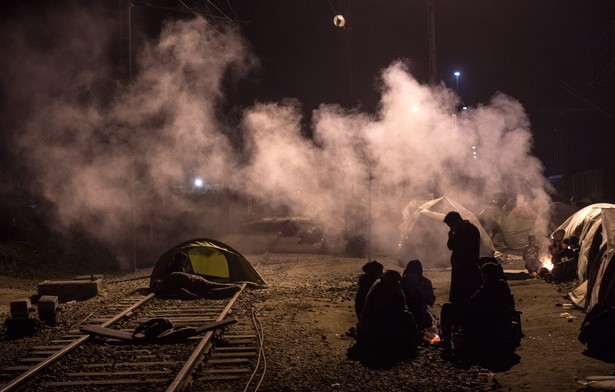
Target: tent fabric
point(603, 286)
point(213, 260)
point(423, 235)
point(585, 224)
point(595, 227)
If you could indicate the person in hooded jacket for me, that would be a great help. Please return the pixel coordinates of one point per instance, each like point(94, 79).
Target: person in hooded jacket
point(419, 294)
point(386, 324)
point(372, 271)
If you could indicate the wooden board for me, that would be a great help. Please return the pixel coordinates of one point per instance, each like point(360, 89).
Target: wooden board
point(127, 336)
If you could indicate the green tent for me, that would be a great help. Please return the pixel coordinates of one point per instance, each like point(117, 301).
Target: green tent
point(213, 260)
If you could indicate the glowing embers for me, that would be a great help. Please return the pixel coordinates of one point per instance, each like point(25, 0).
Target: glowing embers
point(547, 262)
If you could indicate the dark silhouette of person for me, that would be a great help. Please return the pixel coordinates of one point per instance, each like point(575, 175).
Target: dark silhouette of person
point(387, 327)
point(182, 285)
point(485, 320)
point(179, 263)
point(178, 280)
point(372, 271)
point(464, 241)
point(556, 245)
point(419, 294)
point(566, 262)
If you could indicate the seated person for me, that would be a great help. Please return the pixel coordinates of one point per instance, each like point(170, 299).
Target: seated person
point(386, 325)
point(419, 294)
point(183, 285)
point(372, 271)
point(485, 320)
point(531, 255)
point(566, 262)
point(556, 245)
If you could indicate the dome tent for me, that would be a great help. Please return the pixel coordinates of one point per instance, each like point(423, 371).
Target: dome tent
point(213, 260)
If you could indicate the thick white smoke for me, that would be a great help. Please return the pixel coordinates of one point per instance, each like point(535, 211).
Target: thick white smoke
point(93, 145)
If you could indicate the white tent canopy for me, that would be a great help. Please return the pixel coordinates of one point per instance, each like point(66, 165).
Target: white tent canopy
point(424, 233)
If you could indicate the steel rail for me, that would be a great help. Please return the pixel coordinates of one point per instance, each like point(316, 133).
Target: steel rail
point(18, 381)
point(180, 381)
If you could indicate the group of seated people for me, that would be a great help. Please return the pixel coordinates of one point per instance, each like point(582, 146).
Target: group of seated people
point(564, 253)
point(394, 317)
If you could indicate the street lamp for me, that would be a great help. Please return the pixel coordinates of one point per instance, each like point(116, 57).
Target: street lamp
point(457, 73)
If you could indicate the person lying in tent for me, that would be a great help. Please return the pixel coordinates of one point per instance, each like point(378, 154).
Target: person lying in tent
point(179, 263)
point(181, 285)
point(179, 281)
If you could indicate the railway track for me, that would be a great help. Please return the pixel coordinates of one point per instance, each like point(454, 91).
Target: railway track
point(224, 359)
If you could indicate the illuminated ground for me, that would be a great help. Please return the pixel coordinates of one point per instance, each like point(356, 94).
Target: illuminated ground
point(309, 307)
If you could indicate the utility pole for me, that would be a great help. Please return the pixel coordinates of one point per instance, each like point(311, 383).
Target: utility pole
point(431, 37)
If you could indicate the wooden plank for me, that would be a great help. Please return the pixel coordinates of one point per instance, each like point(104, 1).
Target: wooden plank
point(43, 352)
point(235, 349)
point(220, 378)
point(125, 364)
point(227, 361)
point(227, 371)
point(233, 355)
point(105, 382)
point(31, 360)
point(120, 373)
point(107, 332)
point(18, 368)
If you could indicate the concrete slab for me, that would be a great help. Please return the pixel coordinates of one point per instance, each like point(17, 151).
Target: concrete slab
point(69, 290)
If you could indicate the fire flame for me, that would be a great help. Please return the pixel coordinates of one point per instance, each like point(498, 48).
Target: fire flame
point(547, 262)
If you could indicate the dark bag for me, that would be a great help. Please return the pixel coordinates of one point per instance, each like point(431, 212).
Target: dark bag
point(598, 330)
point(151, 329)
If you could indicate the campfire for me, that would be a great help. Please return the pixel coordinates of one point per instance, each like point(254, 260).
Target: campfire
point(547, 262)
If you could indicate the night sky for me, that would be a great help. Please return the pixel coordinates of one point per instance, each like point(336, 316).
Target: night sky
point(553, 56)
point(543, 53)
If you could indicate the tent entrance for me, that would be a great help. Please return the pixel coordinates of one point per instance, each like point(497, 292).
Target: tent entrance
point(209, 262)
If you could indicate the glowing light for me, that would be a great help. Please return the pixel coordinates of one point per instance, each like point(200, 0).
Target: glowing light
point(198, 182)
point(339, 21)
point(414, 109)
point(457, 73)
point(547, 263)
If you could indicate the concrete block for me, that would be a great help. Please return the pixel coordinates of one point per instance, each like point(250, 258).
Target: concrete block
point(69, 290)
point(20, 309)
point(47, 309)
point(18, 328)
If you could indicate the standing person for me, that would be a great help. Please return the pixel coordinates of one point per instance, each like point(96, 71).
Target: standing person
point(419, 294)
point(531, 255)
point(464, 241)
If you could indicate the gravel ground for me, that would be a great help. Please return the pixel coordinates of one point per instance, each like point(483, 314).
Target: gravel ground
point(309, 306)
point(306, 314)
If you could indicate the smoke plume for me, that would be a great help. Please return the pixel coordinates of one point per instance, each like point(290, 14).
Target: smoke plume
point(109, 155)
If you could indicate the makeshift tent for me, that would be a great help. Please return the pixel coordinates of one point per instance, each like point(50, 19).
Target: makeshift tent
point(598, 328)
point(213, 260)
point(517, 225)
point(424, 233)
point(559, 212)
point(588, 225)
point(601, 284)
